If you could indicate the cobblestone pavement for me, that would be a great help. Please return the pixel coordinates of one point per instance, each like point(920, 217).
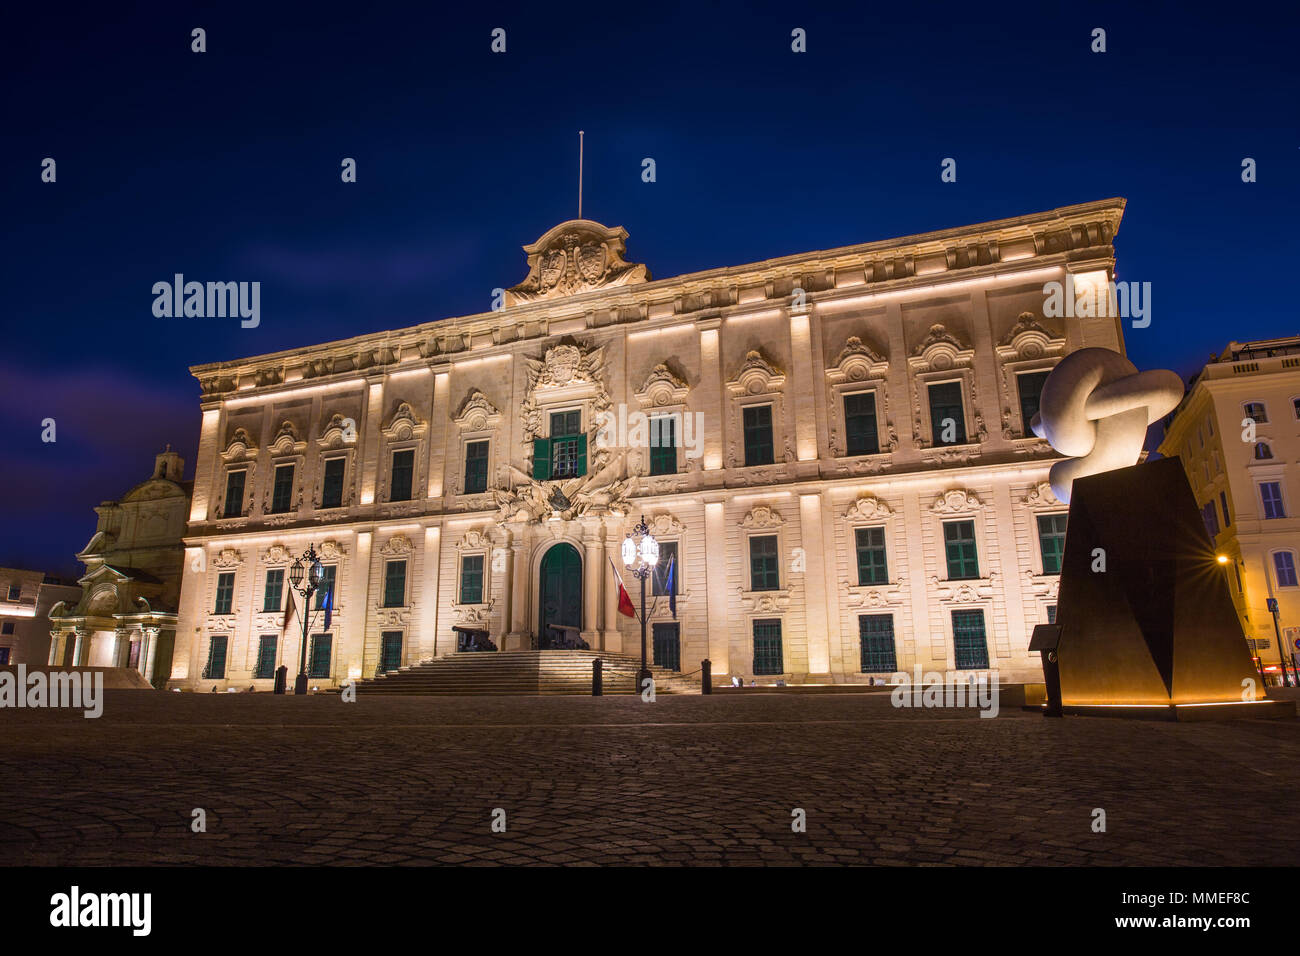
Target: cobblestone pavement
point(701, 780)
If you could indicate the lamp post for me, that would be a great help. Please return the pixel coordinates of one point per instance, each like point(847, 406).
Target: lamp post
point(305, 576)
point(640, 555)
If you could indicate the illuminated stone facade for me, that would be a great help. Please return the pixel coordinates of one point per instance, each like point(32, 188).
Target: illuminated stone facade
point(852, 488)
point(126, 615)
point(1237, 433)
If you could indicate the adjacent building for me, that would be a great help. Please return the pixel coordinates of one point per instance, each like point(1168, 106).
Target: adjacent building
point(26, 598)
point(832, 449)
point(1237, 433)
point(126, 615)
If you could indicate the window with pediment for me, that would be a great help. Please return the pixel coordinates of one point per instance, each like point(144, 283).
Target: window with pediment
point(944, 401)
point(403, 460)
point(1026, 356)
point(283, 495)
point(858, 407)
point(336, 478)
point(238, 470)
point(662, 400)
point(476, 423)
point(758, 427)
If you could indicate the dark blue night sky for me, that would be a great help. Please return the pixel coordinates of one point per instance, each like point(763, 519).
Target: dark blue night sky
point(225, 166)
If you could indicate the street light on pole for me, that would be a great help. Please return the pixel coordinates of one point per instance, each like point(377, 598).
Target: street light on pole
point(305, 576)
point(640, 555)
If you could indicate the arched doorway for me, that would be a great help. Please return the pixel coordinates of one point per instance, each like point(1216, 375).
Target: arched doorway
point(559, 593)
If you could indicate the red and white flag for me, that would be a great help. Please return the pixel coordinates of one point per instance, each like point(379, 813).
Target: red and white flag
point(624, 599)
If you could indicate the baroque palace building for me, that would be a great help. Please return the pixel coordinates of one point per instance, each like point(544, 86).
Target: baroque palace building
point(849, 485)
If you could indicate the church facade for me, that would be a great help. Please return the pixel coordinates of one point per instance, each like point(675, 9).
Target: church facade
point(832, 448)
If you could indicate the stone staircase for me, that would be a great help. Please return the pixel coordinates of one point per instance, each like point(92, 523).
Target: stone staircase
point(522, 673)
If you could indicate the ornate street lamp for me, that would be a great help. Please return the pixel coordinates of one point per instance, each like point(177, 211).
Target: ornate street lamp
point(640, 555)
point(305, 576)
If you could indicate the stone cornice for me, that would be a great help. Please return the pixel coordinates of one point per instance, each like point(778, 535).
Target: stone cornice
point(1051, 237)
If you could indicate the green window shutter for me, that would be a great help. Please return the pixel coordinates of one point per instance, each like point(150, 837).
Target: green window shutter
point(542, 459)
point(582, 454)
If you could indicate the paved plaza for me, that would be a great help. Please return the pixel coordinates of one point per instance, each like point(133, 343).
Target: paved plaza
point(684, 780)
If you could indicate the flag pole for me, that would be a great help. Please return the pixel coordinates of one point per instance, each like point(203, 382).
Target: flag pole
point(579, 174)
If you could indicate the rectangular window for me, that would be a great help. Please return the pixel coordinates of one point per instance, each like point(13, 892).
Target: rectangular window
point(970, 647)
point(1256, 411)
point(1030, 386)
point(876, 634)
point(7, 628)
point(947, 414)
point(471, 579)
point(320, 656)
point(327, 585)
point(568, 446)
point(767, 647)
point(390, 651)
point(394, 583)
point(1211, 518)
point(225, 592)
point(959, 548)
point(399, 488)
point(273, 596)
point(668, 645)
point(872, 565)
point(216, 666)
point(234, 505)
point(1223, 505)
point(659, 580)
point(476, 467)
point(282, 489)
point(1284, 564)
point(1051, 614)
point(331, 495)
point(861, 436)
point(266, 651)
point(763, 572)
point(663, 445)
point(4, 655)
point(1051, 539)
point(1270, 495)
point(15, 591)
point(758, 435)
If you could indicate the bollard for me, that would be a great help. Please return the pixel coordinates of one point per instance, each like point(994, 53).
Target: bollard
point(597, 677)
point(706, 676)
point(281, 678)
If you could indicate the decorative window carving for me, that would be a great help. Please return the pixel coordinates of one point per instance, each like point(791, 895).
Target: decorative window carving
point(858, 369)
point(405, 431)
point(758, 382)
point(938, 359)
point(338, 442)
point(476, 422)
point(1026, 349)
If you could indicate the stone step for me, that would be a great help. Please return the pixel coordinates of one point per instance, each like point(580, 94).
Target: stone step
point(559, 672)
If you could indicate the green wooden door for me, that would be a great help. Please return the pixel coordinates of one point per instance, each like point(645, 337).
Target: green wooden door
point(560, 591)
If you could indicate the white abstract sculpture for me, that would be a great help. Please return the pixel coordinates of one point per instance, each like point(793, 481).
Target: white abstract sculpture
point(1096, 407)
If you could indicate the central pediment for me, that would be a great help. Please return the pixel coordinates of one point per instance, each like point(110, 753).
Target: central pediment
point(576, 256)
